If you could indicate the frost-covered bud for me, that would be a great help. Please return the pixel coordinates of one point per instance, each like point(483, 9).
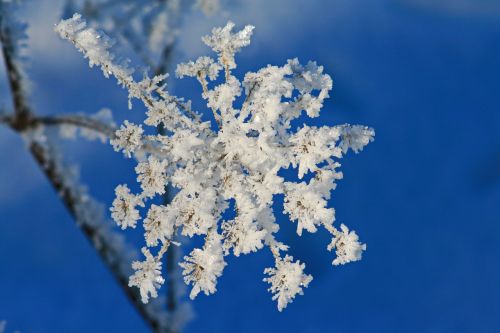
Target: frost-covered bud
point(151, 173)
point(242, 235)
point(310, 77)
point(67, 29)
point(203, 266)
point(124, 210)
point(355, 137)
point(222, 97)
point(147, 276)
point(347, 246)
point(128, 138)
point(158, 225)
point(307, 79)
point(94, 45)
point(195, 214)
point(312, 145)
point(307, 207)
point(227, 44)
point(270, 81)
point(203, 67)
point(287, 280)
point(161, 114)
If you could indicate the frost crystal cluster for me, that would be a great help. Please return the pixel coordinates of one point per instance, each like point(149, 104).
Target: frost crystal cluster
point(236, 165)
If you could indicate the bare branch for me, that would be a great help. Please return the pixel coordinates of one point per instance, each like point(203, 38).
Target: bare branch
point(78, 121)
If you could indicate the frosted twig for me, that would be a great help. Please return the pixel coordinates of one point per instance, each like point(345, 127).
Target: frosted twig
point(70, 193)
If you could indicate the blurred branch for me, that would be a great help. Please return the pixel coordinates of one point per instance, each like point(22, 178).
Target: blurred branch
point(110, 255)
point(32, 121)
point(78, 121)
point(5, 118)
point(82, 121)
point(22, 121)
point(165, 60)
point(171, 279)
point(14, 75)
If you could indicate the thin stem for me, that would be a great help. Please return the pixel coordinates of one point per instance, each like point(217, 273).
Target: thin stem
point(331, 229)
point(78, 121)
point(227, 71)
point(204, 87)
point(275, 251)
point(246, 103)
point(171, 259)
point(171, 276)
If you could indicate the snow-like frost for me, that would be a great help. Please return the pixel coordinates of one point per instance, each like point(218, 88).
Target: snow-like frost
point(287, 280)
point(240, 161)
point(203, 266)
point(147, 276)
point(347, 246)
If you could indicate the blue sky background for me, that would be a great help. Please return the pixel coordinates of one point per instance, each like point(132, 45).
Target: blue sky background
point(425, 196)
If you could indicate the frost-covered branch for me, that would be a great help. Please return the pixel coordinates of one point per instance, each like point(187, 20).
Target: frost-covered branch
point(239, 163)
point(86, 211)
point(13, 37)
point(78, 121)
point(91, 126)
point(150, 27)
point(89, 216)
point(96, 46)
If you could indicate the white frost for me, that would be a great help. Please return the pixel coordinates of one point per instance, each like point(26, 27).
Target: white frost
point(287, 279)
point(347, 246)
point(238, 163)
point(147, 276)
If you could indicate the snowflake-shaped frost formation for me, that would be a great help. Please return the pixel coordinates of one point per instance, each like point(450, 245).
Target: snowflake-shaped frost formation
point(237, 162)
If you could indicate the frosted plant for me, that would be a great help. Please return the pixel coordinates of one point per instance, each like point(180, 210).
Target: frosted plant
point(287, 280)
point(102, 120)
point(147, 276)
point(346, 245)
point(239, 162)
point(150, 27)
